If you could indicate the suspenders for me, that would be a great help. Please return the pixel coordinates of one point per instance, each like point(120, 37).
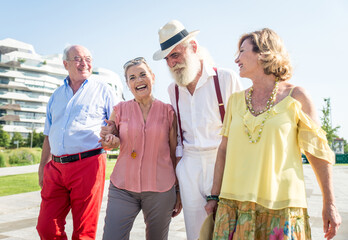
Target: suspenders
point(218, 95)
point(219, 98)
point(177, 108)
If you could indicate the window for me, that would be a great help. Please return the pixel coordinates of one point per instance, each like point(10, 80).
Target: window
point(4, 80)
point(24, 104)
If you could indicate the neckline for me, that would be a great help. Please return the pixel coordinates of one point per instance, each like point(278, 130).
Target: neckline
point(141, 113)
point(280, 102)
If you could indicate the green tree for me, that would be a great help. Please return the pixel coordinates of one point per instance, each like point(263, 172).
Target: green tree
point(38, 139)
point(28, 140)
point(17, 137)
point(4, 138)
point(345, 146)
point(331, 132)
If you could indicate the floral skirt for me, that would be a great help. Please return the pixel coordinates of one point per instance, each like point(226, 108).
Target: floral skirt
point(247, 220)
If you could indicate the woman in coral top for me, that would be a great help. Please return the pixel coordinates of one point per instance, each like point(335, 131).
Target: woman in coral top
point(144, 175)
point(258, 175)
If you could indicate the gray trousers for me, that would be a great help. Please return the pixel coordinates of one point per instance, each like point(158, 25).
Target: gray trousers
point(123, 207)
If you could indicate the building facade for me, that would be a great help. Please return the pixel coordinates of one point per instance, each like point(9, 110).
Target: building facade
point(27, 81)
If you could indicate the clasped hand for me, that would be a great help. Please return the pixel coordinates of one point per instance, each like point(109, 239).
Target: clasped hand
point(108, 133)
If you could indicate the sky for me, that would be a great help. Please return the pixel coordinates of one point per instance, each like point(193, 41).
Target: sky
point(314, 32)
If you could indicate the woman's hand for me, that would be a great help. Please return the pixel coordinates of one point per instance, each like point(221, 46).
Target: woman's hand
point(331, 220)
point(110, 141)
point(211, 207)
point(178, 205)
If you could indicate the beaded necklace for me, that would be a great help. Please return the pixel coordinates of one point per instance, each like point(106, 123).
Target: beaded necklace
point(267, 109)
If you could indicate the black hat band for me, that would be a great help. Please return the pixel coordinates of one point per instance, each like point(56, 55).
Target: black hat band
point(176, 38)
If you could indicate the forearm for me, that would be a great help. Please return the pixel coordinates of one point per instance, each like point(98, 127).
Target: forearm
point(45, 158)
point(323, 172)
point(219, 168)
point(46, 152)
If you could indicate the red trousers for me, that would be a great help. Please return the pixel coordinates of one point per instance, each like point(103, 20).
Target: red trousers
point(77, 186)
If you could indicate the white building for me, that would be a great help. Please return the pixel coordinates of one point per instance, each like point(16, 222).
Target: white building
point(27, 81)
point(338, 145)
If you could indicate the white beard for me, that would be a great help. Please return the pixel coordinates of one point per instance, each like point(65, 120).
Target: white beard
point(187, 71)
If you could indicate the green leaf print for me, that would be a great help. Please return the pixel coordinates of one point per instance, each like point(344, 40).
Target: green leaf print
point(243, 218)
point(299, 222)
point(274, 223)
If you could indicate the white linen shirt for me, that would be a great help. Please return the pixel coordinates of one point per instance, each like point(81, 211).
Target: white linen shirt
point(200, 116)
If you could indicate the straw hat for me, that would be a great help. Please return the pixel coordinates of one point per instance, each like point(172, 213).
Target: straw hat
point(207, 228)
point(170, 35)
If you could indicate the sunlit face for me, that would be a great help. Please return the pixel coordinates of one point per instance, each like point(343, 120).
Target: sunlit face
point(140, 80)
point(248, 60)
point(78, 64)
point(183, 64)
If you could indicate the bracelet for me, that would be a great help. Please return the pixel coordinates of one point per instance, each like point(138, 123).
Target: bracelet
point(212, 197)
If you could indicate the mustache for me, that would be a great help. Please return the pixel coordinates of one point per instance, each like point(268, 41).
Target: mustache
point(178, 66)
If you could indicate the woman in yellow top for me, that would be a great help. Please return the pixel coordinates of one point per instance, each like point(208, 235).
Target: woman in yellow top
point(258, 172)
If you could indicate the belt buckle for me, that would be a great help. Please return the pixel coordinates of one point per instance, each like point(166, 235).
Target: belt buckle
point(61, 159)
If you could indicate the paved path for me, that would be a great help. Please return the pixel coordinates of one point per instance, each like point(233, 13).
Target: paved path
point(18, 213)
point(18, 170)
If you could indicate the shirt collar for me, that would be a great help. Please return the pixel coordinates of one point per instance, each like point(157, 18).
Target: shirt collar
point(67, 79)
point(207, 72)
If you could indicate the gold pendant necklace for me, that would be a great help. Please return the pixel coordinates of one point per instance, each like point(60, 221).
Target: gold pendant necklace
point(133, 153)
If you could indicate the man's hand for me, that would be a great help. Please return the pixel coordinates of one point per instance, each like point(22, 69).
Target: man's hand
point(41, 173)
point(109, 129)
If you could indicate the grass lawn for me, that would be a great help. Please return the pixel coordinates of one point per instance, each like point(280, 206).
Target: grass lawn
point(28, 182)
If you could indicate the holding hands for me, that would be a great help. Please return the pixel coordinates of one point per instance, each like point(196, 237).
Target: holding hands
point(108, 134)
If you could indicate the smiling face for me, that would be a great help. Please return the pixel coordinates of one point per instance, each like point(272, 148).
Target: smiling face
point(248, 60)
point(78, 64)
point(140, 80)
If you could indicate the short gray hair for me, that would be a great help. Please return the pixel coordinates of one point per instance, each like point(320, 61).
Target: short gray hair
point(66, 52)
point(68, 48)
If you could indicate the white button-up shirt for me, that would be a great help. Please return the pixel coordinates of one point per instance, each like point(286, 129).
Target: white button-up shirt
point(200, 116)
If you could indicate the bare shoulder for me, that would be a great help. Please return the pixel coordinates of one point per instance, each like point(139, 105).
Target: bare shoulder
point(302, 95)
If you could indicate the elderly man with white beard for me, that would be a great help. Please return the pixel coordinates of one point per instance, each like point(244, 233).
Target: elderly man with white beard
point(198, 97)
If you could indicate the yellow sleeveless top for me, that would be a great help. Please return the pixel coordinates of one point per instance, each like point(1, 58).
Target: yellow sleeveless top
point(270, 172)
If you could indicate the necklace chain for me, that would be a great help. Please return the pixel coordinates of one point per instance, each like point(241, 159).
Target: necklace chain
point(134, 153)
point(267, 109)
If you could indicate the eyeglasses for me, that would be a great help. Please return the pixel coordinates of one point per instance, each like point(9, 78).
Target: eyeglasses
point(80, 59)
point(133, 62)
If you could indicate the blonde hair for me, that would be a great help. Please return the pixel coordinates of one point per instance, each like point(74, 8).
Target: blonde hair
point(274, 58)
